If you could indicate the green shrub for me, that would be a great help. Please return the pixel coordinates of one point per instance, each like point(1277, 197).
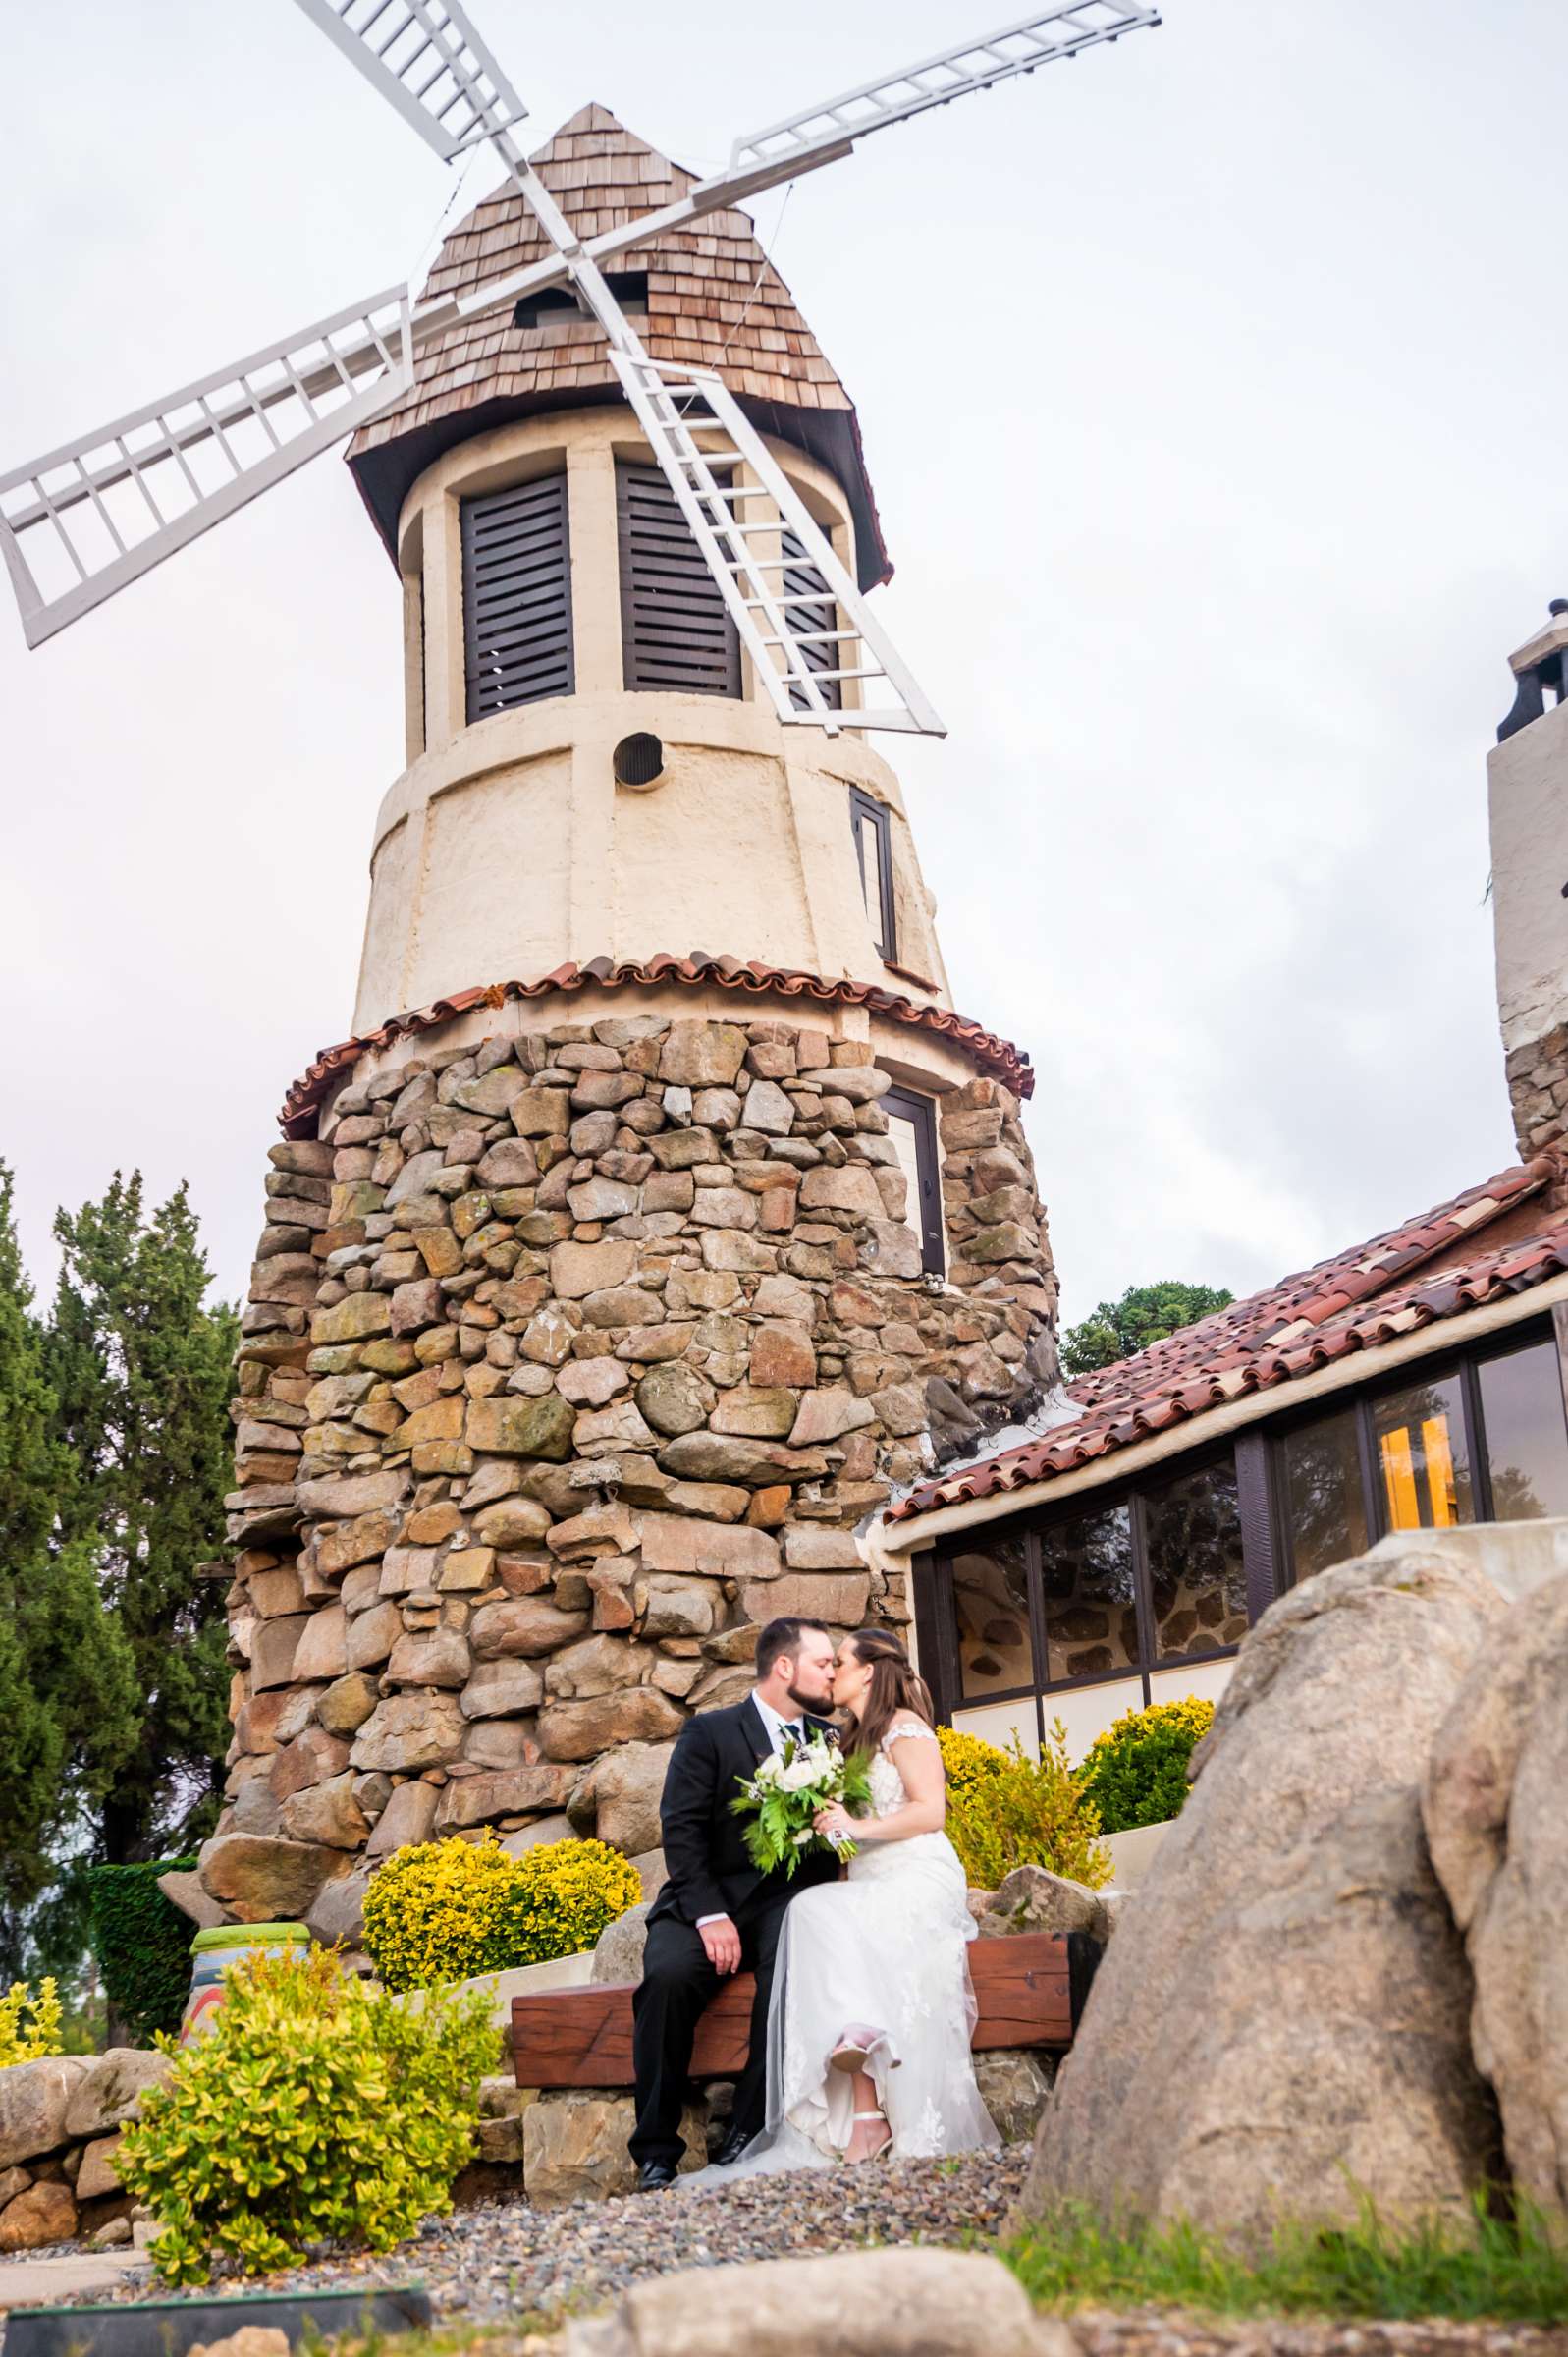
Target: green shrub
point(567, 1892)
point(39, 2036)
point(445, 1911)
point(310, 2111)
point(967, 1757)
point(142, 1945)
point(1027, 1813)
point(1136, 1772)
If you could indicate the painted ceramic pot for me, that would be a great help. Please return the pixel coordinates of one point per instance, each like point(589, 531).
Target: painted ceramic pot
point(213, 1951)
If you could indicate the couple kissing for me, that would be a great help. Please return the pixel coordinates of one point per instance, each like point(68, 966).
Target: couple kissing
point(863, 2013)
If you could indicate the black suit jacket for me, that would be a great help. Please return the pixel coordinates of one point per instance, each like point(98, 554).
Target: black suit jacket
point(704, 1842)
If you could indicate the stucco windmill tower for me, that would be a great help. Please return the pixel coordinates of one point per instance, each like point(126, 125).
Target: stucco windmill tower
point(662, 1212)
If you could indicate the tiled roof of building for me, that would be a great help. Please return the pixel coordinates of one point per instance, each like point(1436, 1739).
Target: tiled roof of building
point(714, 300)
point(999, 1056)
point(1355, 1301)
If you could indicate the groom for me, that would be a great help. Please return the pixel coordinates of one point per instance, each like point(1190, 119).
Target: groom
point(716, 1914)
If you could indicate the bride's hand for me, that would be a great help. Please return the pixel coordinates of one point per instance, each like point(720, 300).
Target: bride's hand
point(834, 1823)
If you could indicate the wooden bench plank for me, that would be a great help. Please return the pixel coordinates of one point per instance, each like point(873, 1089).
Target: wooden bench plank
point(1029, 1991)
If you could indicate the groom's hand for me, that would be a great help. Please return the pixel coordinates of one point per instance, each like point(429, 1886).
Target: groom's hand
point(723, 1943)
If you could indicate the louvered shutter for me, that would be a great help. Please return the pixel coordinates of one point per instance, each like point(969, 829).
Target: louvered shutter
point(675, 631)
point(808, 611)
point(517, 596)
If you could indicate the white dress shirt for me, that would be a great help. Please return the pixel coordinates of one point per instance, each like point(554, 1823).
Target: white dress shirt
point(775, 1729)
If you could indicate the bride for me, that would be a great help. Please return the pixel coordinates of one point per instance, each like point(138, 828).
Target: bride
point(868, 2032)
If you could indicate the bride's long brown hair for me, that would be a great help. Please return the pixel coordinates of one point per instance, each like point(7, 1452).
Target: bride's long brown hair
point(894, 1686)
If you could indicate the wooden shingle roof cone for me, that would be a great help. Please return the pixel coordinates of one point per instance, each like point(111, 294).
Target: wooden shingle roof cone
point(714, 300)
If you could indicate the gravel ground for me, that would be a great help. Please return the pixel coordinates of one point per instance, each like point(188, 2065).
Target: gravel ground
point(501, 2263)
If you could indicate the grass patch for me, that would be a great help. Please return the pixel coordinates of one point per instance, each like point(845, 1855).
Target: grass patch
point(1510, 2269)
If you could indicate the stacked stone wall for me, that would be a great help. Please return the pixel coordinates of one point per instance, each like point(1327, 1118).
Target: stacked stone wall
point(569, 1359)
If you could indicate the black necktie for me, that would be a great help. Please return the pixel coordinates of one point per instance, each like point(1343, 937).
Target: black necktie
point(797, 1733)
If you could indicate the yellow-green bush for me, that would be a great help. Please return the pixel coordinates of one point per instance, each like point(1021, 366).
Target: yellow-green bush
point(433, 1910)
point(310, 2111)
point(567, 1892)
point(40, 2035)
point(1136, 1772)
point(966, 1758)
point(445, 1910)
point(1027, 1813)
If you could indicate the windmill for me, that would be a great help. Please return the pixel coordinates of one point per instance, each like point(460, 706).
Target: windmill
point(88, 518)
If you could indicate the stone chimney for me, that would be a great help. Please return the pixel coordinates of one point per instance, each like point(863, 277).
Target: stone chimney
point(1528, 803)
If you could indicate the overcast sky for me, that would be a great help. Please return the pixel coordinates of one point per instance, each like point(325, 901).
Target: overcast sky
point(1213, 392)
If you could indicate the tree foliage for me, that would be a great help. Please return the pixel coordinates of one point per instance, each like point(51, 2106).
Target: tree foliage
point(65, 1676)
point(1145, 1314)
point(113, 1463)
point(142, 1372)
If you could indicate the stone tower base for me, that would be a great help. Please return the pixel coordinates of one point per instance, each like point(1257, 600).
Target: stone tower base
point(572, 1355)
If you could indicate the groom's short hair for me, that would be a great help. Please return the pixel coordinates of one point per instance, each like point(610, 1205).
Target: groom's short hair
point(781, 1637)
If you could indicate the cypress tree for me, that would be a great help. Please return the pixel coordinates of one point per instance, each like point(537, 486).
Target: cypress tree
point(144, 1372)
point(67, 1684)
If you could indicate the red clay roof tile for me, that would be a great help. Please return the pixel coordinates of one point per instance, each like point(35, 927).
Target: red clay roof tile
point(999, 1056)
point(1305, 1322)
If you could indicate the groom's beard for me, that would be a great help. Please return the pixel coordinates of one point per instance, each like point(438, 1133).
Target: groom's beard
point(819, 1705)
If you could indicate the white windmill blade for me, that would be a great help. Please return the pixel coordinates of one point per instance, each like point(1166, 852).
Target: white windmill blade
point(83, 520)
point(820, 132)
point(426, 58)
point(708, 479)
point(823, 133)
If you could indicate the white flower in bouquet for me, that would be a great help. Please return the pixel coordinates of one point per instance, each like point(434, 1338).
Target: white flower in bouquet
point(784, 1795)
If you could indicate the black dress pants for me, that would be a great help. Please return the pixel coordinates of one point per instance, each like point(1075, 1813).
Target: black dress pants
point(677, 1982)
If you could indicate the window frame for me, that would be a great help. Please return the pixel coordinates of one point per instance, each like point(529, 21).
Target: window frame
point(949, 1695)
point(921, 1115)
point(1465, 1366)
point(866, 812)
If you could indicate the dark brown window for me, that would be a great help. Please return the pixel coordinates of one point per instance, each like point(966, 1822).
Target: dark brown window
point(1192, 1545)
point(674, 631)
point(517, 596)
point(872, 830)
point(912, 1131)
point(1479, 1439)
point(812, 616)
point(1129, 1585)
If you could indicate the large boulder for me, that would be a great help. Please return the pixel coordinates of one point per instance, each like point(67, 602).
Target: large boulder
point(261, 1879)
point(619, 1797)
point(575, 2146)
point(1497, 1828)
point(1033, 1900)
point(109, 2092)
point(892, 2303)
point(1280, 2024)
point(1015, 2087)
point(35, 2098)
point(618, 1952)
point(43, 2215)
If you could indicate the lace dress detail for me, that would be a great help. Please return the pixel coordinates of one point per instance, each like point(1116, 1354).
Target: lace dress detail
point(886, 1948)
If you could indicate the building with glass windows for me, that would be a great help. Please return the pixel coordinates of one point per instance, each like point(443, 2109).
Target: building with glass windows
point(1415, 1382)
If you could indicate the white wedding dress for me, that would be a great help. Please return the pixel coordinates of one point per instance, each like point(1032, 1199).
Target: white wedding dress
point(886, 1951)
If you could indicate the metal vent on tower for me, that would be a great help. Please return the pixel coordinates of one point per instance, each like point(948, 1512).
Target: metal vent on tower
point(516, 596)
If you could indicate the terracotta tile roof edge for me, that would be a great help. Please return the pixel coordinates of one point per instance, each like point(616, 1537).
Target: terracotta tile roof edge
point(297, 1117)
point(1116, 1424)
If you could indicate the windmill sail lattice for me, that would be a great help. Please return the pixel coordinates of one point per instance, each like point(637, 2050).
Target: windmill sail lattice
point(92, 515)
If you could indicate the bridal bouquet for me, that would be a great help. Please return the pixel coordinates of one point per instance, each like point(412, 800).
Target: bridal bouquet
point(783, 1796)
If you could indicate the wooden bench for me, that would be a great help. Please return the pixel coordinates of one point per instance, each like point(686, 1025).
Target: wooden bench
point(1030, 1991)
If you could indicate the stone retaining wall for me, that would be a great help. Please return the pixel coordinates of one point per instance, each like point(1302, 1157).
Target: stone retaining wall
point(60, 2124)
point(569, 1359)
